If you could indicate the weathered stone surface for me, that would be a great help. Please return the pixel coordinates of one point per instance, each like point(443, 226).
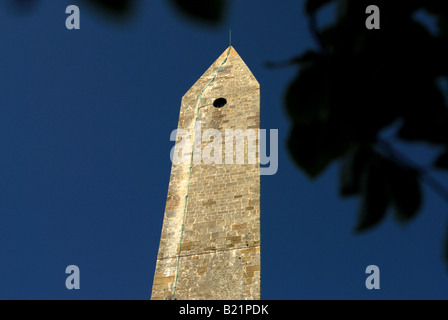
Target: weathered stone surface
point(220, 248)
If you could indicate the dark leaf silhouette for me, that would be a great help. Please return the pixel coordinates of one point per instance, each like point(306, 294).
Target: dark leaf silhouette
point(429, 124)
point(352, 168)
point(312, 6)
point(375, 198)
point(359, 82)
point(310, 146)
point(442, 161)
point(404, 188)
point(307, 97)
point(115, 6)
point(23, 5)
point(210, 11)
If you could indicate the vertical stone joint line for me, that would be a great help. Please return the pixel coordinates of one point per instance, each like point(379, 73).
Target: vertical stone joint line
point(191, 166)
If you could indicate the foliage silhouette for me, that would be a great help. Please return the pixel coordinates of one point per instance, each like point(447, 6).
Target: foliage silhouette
point(358, 83)
point(209, 11)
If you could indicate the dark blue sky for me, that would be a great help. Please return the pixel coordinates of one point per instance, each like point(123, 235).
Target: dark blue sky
point(85, 121)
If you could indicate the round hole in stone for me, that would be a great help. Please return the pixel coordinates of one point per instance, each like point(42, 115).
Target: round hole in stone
point(219, 103)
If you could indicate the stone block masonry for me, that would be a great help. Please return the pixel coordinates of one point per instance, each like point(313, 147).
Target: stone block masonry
point(218, 232)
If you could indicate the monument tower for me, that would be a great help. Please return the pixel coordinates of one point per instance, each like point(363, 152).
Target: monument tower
point(210, 241)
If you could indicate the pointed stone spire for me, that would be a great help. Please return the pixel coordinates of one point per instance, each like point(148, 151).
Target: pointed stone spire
point(210, 241)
